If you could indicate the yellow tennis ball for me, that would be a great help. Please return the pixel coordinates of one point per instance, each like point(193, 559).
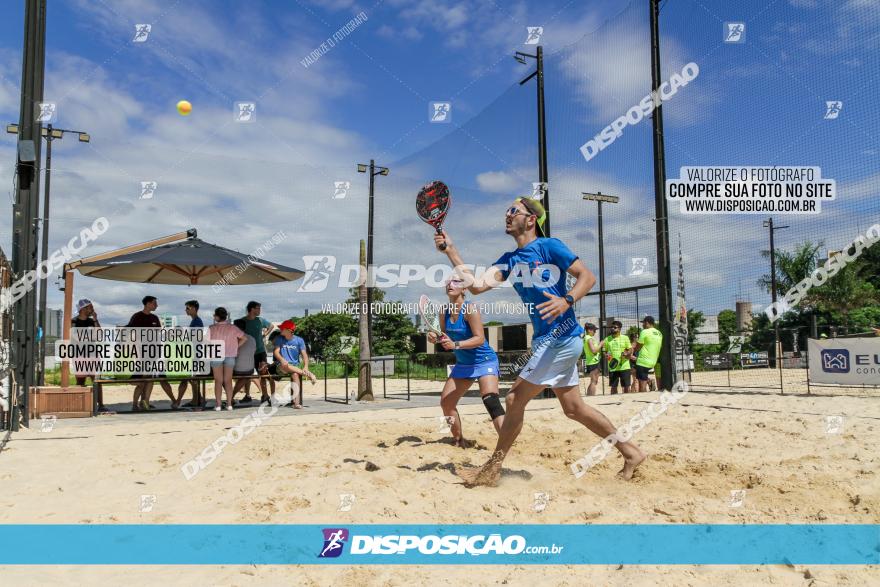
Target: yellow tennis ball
point(184, 108)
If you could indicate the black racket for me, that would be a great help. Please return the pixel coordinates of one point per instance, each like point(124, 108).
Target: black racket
point(432, 204)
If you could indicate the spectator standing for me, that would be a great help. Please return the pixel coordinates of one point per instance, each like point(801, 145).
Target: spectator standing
point(232, 338)
point(192, 310)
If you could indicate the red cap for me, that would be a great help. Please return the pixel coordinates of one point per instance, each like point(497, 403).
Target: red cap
point(288, 325)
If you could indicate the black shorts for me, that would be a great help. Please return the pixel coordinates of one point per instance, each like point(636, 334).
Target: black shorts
point(590, 368)
point(259, 359)
point(621, 376)
point(273, 368)
point(643, 373)
point(242, 373)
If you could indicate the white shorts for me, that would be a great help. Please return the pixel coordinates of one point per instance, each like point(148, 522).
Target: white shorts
point(554, 364)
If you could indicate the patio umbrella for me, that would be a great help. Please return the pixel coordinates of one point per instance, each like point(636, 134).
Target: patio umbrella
point(189, 262)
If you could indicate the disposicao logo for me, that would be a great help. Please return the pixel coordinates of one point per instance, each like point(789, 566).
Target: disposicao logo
point(334, 540)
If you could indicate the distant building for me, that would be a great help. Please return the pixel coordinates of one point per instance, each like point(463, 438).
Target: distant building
point(708, 332)
point(54, 323)
point(168, 321)
point(743, 316)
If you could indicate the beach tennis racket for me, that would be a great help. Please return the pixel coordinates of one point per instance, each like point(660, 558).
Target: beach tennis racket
point(613, 363)
point(429, 315)
point(432, 204)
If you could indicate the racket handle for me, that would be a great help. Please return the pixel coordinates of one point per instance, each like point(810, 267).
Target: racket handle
point(442, 245)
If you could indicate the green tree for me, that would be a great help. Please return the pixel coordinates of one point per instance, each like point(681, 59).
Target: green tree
point(392, 331)
point(695, 319)
point(844, 292)
point(324, 332)
point(791, 269)
point(726, 328)
point(868, 265)
point(849, 289)
point(632, 330)
point(864, 319)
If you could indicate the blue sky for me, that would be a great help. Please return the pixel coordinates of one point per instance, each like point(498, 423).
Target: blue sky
point(757, 103)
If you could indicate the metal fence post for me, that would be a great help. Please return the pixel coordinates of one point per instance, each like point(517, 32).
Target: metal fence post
point(779, 366)
point(325, 378)
point(809, 392)
point(95, 385)
point(384, 395)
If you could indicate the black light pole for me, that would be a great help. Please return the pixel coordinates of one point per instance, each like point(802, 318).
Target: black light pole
point(599, 197)
point(50, 133)
point(661, 220)
point(769, 224)
point(362, 168)
point(542, 129)
point(27, 205)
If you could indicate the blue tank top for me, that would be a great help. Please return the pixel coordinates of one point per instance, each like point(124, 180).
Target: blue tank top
point(461, 330)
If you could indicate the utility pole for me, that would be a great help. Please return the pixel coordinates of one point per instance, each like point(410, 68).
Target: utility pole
point(542, 129)
point(599, 198)
point(769, 224)
point(370, 276)
point(44, 252)
point(365, 378)
point(26, 206)
point(661, 220)
point(50, 133)
point(370, 272)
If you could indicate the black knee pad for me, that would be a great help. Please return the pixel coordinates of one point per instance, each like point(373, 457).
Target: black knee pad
point(493, 405)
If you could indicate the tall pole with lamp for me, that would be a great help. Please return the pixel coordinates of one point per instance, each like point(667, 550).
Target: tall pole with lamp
point(542, 129)
point(374, 170)
point(50, 133)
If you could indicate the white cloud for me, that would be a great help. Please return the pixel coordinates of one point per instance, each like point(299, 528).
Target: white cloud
point(610, 72)
point(498, 182)
point(406, 33)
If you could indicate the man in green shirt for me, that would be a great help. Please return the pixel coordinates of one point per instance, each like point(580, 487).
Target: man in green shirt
point(592, 352)
point(256, 327)
point(648, 348)
point(617, 350)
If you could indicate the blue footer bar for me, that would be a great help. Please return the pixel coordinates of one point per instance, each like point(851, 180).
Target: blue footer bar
point(647, 544)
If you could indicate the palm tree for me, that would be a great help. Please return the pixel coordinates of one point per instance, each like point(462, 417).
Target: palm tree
point(847, 290)
point(792, 268)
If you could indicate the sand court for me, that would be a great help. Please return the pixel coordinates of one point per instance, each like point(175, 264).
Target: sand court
point(392, 462)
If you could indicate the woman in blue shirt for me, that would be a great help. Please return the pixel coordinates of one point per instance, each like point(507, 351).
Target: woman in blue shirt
point(462, 328)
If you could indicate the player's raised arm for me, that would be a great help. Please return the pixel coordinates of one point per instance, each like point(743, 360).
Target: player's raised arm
point(491, 278)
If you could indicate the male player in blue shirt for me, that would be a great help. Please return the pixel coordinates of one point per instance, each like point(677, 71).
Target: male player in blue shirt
point(538, 266)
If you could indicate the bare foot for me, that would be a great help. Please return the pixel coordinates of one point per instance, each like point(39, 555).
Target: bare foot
point(487, 475)
point(630, 464)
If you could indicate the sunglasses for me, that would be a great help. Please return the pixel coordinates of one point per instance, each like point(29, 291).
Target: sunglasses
point(513, 211)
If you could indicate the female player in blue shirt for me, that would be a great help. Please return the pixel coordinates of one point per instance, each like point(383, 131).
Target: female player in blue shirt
point(537, 269)
point(462, 328)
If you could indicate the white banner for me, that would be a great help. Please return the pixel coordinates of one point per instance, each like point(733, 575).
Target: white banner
point(846, 361)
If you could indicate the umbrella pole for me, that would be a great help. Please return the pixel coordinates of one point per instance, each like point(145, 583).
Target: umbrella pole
point(68, 308)
point(68, 282)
